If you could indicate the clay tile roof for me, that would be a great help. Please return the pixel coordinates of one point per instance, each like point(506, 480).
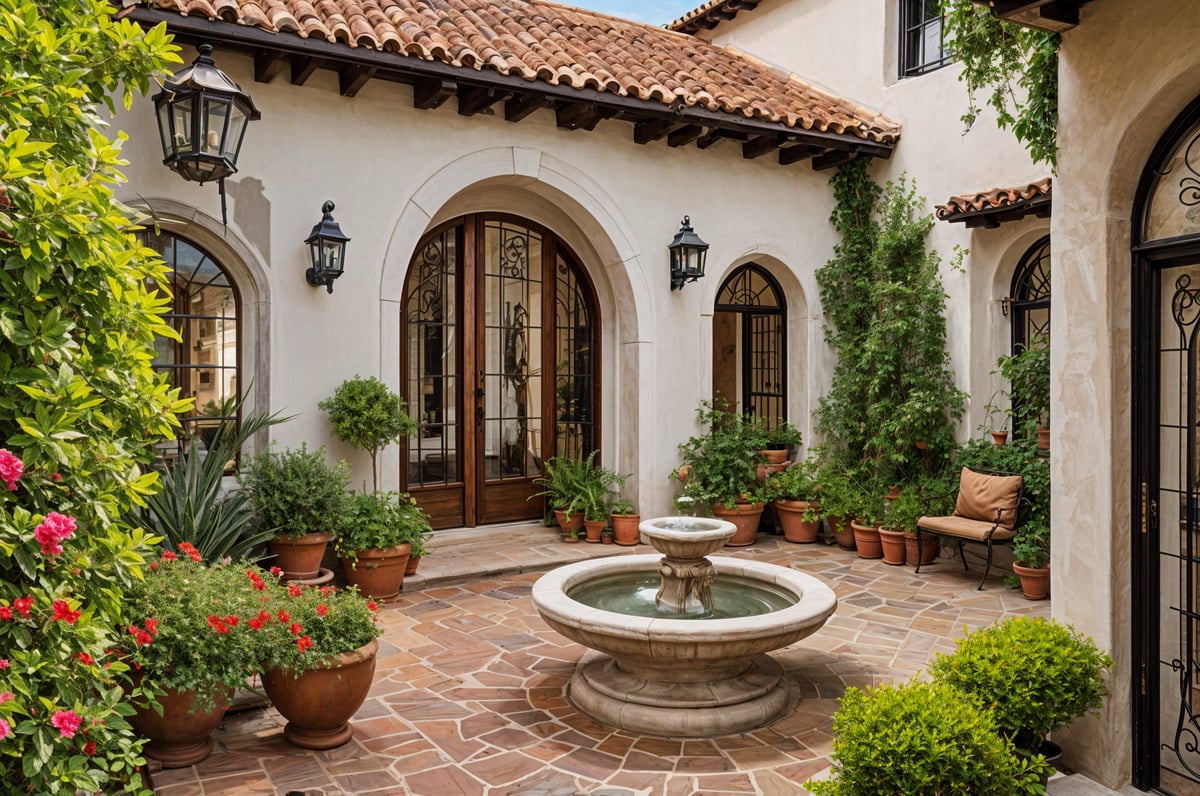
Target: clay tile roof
point(541, 41)
point(711, 14)
point(989, 208)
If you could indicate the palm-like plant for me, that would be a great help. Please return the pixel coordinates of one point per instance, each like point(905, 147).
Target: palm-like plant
point(191, 507)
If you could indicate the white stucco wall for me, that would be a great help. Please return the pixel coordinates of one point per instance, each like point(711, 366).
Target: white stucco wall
point(394, 172)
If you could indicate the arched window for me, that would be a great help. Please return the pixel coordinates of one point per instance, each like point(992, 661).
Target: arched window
point(1030, 303)
point(204, 362)
point(750, 344)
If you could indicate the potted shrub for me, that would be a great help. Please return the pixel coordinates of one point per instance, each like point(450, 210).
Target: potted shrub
point(624, 519)
point(373, 542)
point(778, 440)
point(927, 496)
point(189, 641)
point(921, 739)
point(369, 416)
point(1031, 551)
point(1036, 675)
point(840, 498)
point(796, 505)
point(321, 660)
point(302, 499)
point(563, 485)
point(1028, 374)
point(720, 468)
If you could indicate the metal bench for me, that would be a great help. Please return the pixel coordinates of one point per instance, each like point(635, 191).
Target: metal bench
point(985, 512)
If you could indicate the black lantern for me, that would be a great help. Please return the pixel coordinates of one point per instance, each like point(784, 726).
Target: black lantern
point(687, 255)
point(202, 116)
point(327, 247)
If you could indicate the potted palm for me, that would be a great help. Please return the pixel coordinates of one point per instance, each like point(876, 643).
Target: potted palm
point(796, 505)
point(302, 499)
point(375, 542)
point(720, 468)
point(189, 640)
point(321, 660)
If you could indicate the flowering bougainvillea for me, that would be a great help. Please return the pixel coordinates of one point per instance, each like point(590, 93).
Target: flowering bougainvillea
point(82, 410)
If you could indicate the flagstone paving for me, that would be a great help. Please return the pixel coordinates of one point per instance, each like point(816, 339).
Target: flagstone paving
point(469, 696)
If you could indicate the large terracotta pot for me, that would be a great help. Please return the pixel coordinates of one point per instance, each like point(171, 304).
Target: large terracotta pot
point(929, 549)
point(378, 571)
point(1043, 435)
point(892, 543)
point(413, 562)
point(791, 519)
point(299, 558)
point(1035, 583)
point(842, 532)
point(179, 738)
point(866, 540)
point(625, 528)
point(569, 524)
point(745, 517)
point(320, 702)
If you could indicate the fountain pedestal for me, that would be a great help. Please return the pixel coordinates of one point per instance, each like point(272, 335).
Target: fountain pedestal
point(659, 674)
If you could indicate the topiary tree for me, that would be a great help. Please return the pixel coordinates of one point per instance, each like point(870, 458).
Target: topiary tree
point(369, 416)
point(81, 408)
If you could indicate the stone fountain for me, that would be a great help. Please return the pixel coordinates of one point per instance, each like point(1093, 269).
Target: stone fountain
point(680, 640)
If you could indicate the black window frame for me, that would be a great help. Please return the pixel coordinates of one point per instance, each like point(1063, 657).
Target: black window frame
point(916, 17)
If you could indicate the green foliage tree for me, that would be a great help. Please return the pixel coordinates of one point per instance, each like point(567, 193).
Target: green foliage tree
point(80, 405)
point(1017, 66)
point(369, 416)
point(885, 308)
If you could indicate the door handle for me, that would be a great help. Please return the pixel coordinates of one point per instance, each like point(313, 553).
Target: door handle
point(479, 418)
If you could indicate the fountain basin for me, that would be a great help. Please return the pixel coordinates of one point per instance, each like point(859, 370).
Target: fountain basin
point(682, 677)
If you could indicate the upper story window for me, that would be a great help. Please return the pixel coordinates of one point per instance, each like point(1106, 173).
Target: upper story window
point(203, 364)
point(922, 47)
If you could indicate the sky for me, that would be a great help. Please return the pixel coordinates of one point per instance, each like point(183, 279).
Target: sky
point(654, 12)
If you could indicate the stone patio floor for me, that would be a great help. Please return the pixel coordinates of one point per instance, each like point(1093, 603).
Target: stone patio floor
point(469, 687)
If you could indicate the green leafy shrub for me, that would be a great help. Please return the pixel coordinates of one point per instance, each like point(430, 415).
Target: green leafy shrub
point(80, 404)
point(722, 463)
point(312, 624)
point(369, 416)
point(382, 519)
point(296, 492)
point(1036, 675)
point(1031, 545)
point(575, 485)
point(922, 739)
point(798, 482)
point(1028, 374)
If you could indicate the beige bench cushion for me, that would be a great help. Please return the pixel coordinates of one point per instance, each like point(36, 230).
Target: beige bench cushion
point(981, 494)
point(964, 528)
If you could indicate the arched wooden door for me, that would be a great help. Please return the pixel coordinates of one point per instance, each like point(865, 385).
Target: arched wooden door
point(499, 355)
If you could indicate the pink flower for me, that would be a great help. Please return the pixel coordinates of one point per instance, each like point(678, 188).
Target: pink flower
point(11, 469)
point(3, 663)
point(62, 610)
point(5, 729)
point(55, 528)
point(66, 722)
point(6, 696)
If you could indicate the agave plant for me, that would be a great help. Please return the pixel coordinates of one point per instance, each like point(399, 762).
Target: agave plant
point(192, 507)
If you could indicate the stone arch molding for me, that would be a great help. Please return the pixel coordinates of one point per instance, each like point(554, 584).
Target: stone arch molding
point(545, 175)
point(248, 271)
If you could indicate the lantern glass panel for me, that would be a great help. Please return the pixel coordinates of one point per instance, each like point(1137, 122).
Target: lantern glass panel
point(181, 127)
point(216, 114)
point(333, 257)
point(164, 128)
point(233, 139)
point(314, 253)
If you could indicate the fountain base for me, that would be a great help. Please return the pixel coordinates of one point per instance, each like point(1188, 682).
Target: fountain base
point(729, 704)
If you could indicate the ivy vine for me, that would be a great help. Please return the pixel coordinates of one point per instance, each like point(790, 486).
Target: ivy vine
point(1016, 66)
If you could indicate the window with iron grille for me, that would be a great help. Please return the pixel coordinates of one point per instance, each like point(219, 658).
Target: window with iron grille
point(922, 46)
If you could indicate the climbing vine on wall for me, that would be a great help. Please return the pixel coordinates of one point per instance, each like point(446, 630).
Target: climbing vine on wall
point(1017, 69)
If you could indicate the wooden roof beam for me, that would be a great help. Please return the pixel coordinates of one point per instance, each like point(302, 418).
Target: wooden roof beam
point(303, 67)
point(645, 132)
point(352, 79)
point(762, 145)
point(711, 138)
point(797, 153)
point(432, 92)
point(684, 135)
point(473, 100)
point(268, 65)
point(832, 158)
point(522, 106)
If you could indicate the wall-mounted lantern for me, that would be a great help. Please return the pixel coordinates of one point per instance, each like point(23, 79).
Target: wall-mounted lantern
point(327, 249)
point(687, 255)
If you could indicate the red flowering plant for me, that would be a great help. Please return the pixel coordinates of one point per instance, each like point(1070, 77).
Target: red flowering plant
point(311, 625)
point(195, 627)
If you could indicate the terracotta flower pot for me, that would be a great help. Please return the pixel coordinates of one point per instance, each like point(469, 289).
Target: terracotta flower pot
point(299, 558)
point(892, 543)
point(411, 567)
point(791, 519)
point(569, 524)
point(178, 738)
point(593, 530)
point(999, 437)
point(745, 517)
point(1035, 583)
point(378, 571)
point(320, 702)
point(842, 533)
point(625, 528)
point(929, 549)
point(866, 540)
point(1043, 435)
point(775, 456)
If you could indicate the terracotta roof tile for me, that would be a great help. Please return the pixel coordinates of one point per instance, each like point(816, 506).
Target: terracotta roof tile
point(542, 41)
point(710, 14)
point(1030, 196)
